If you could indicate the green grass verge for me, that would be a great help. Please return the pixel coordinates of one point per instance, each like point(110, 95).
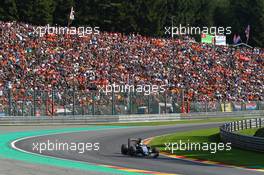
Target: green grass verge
point(187, 121)
point(234, 156)
point(250, 132)
point(258, 132)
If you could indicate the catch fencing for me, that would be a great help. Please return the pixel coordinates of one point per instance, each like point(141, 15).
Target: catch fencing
point(19, 102)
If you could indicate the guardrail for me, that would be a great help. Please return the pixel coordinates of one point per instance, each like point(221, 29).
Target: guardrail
point(70, 119)
point(249, 114)
point(84, 119)
point(228, 134)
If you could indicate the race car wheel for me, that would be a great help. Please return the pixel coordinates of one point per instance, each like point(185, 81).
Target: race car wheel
point(124, 149)
point(155, 152)
point(132, 151)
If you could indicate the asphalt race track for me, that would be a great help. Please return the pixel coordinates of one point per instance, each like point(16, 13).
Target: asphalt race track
point(109, 154)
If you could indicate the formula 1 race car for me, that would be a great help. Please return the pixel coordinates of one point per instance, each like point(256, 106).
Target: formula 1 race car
point(135, 147)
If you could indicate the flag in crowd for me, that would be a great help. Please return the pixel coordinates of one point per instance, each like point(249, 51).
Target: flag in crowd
point(236, 39)
point(72, 14)
point(247, 32)
point(71, 17)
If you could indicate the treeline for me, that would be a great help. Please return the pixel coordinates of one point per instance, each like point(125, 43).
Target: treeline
point(147, 17)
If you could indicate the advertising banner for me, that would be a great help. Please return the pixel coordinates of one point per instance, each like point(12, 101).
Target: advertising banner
point(220, 40)
point(237, 106)
point(226, 107)
point(251, 106)
point(206, 38)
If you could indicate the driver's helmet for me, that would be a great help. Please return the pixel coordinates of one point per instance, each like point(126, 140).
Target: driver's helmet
point(140, 141)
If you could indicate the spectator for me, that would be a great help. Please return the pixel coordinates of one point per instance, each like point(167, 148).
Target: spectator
point(62, 63)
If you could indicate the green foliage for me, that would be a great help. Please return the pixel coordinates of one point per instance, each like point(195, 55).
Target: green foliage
point(43, 11)
point(62, 11)
point(147, 17)
point(25, 10)
point(260, 132)
point(8, 10)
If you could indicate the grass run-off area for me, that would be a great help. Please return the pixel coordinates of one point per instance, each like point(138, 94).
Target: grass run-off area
point(257, 132)
point(182, 121)
point(250, 132)
point(233, 157)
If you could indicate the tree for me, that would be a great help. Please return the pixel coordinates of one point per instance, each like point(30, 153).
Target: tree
point(62, 11)
point(256, 21)
point(43, 12)
point(25, 10)
point(222, 17)
point(147, 17)
point(150, 16)
point(88, 12)
point(248, 12)
point(8, 10)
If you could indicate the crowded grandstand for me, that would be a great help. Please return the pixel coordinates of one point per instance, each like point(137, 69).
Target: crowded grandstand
point(56, 67)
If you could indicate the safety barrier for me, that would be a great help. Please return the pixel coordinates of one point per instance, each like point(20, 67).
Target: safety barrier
point(229, 133)
point(18, 102)
point(83, 119)
point(249, 114)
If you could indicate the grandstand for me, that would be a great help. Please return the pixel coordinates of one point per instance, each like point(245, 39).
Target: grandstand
point(56, 74)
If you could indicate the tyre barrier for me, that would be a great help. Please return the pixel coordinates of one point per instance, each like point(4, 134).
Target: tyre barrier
point(228, 133)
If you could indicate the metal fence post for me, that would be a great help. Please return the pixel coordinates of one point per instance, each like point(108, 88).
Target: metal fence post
point(73, 103)
point(65, 103)
point(165, 102)
point(34, 102)
point(52, 102)
point(206, 106)
point(182, 101)
point(148, 104)
point(9, 102)
point(113, 102)
point(93, 104)
point(23, 105)
point(130, 102)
